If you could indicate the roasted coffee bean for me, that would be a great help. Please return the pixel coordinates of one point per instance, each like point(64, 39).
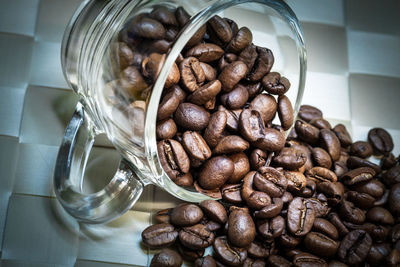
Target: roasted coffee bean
point(251, 125)
point(290, 158)
point(227, 253)
point(307, 191)
point(166, 258)
point(151, 65)
point(259, 249)
point(320, 244)
point(307, 259)
point(231, 75)
point(192, 74)
point(173, 158)
point(215, 127)
point(361, 149)
point(196, 146)
point(131, 82)
point(166, 129)
point(271, 228)
point(340, 168)
point(306, 149)
point(354, 247)
point(330, 143)
point(380, 140)
point(232, 118)
point(236, 98)
point(215, 172)
point(205, 93)
point(147, 28)
point(278, 261)
point(219, 30)
point(273, 140)
point(231, 144)
point(206, 261)
point(321, 174)
point(275, 84)
point(249, 262)
point(257, 158)
point(325, 227)
point(241, 39)
point(285, 112)
point(159, 235)
point(388, 161)
point(321, 207)
point(289, 241)
point(332, 191)
point(266, 105)
point(254, 199)
point(392, 176)
point(373, 187)
point(196, 237)
point(226, 59)
point(241, 167)
point(343, 135)
point(300, 217)
point(270, 181)
point(359, 175)
point(383, 199)
point(163, 216)
point(380, 215)
point(296, 180)
point(125, 55)
point(164, 15)
point(361, 200)
point(307, 132)
point(191, 117)
point(260, 64)
point(231, 193)
point(241, 228)
point(307, 113)
point(178, 92)
point(167, 107)
point(214, 210)
point(334, 218)
point(321, 123)
point(186, 215)
point(214, 193)
point(377, 254)
point(394, 200)
point(271, 210)
point(354, 162)
point(205, 52)
point(253, 89)
point(190, 254)
point(348, 212)
point(321, 157)
point(209, 72)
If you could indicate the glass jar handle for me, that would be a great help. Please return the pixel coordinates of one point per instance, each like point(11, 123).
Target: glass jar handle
point(117, 197)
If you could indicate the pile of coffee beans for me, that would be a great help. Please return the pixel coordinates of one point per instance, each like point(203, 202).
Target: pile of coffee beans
point(318, 201)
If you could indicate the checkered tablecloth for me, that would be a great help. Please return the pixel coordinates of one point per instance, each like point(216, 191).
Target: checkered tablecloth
point(353, 77)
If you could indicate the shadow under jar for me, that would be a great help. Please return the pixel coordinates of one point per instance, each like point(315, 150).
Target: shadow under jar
point(120, 70)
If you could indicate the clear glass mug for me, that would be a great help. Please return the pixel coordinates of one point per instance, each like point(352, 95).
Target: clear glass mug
point(88, 69)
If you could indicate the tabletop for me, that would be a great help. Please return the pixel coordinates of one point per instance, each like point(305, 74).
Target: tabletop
point(353, 77)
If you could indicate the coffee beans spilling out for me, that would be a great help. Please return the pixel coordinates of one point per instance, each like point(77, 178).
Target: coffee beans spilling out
point(318, 201)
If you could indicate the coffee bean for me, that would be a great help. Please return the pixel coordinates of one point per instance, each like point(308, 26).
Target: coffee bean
point(191, 117)
point(321, 174)
point(206, 261)
point(236, 98)
point(196, 237)
point(214, 210)
point(215, 172)
point(271, 228)
point(330, 143)
point(321, 123)
point(192, 74)
point(373, 187)
point(307, 132)
point(380, 215)
point(307, 259)
point(231, 193)
point(251, 125)
point(307, 113)
point(260, 64)
point(147, 28)
point(358, 175)
point(321, 157)
point(196, 146)
point(394, 199)
point(356, 162)
point(205, 52)
point(321, 207)
point(383, 199)
point(290, 158)
point(392, 176)
point(166, 258)
point(209, 72)
point(219, 30)
point(241, 167)
point(325, 227)
point(388, 161)
point(301, 216)
point(361, 149)
point(361, 200)
point(241, 39)
point(131, 82)
point(173, 158)
point(231, 144)
point(354, 247)
point(320, 244)
point(266, 105)
point(278, 261)
point(393, 259)
point(232, 118)
point(232, 74)
point(164, 15)
point(296, 180)
point(159, 235)
point(257, 158)
point(378, 253)
point(349, 212)
point(215, 127)
point(271, 210)
point(380, 140)
point(190, 254)
point(270, 181)
point(241, 228)
point(166, 129)
point(275, 84)
point(332, 191)
point(214, 193)
point(205, 93)
point(227, 253)
point(285, 112)
point(225, 60)
point(260, 249)
point(273, 140)
point(186, 215)
point(343, 135)
point(254, 199)
point(163, 216)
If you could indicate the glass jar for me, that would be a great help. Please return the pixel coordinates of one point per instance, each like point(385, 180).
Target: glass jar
point(88, 67)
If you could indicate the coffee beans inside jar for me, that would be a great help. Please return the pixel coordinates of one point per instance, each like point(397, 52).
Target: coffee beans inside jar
point(312, 199)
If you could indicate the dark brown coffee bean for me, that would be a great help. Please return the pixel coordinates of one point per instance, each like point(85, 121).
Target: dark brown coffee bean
point(164, 15)
point(270, 181)
point(236, 98)
point(205, 52)
point(301, 216)
point(361, 200)
point(266, 105)
point(334, 218)
point(168, 106)
point(330, 143)
point(166, 258)
point(196, 237)
point(393, 259)
point(325, 227)
point(359, 175)
point(373, 187)
point(378, 253)
point(271, 228)
point(262, 65)
point(257, 158)
point(227, 253)
point(306, 149)
point(232, 119)
point(289, 241)
point(206, 261)
point(163, 216)
point(394, 200)
point(340, 168)
point(166, 129)
point(226, 59)
point(392, 176)
point(251, 125)
point(333, 192)
point(219, 30)
point(231, 193)
point(275, 84)
point(241, 39)
point(348, 212)
point(173, 158)
point(285, 112)
point(321, 157)
point(190, 254)
point(242, 167)
point(159, 235)
point(383, 199)
point(214, 210)
point(147, 28)
point(320, 244)
point(205, 93)
point(307, 113)
point(380, 215)
point(215, 172)
point(354, 247)
point(296, 180)
point(271, 210)
point(290, 158)
point(253, 89)
point(186, 214)
point(231, 144)
point(356, 162)
point(321, 123)
point(192, 74)
point(278, 261)
point(215, 127)
point(131, 82)
point(321, 174)
point(321, 207)
point(254, 199)
point(214, 193)
point(273, 140)
point(260, 249)
point(209, 72)
point(125, 55)
point(196, 146)
point(361, 149)
point(179, 92)
point(307, 259)
point(307, 132)
point(380, 140)
point(388, 161)
point(241, 228)
point(343, 135)
point(191, 117)
point(308, 190)
point(232, 74)
point(151, 65)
